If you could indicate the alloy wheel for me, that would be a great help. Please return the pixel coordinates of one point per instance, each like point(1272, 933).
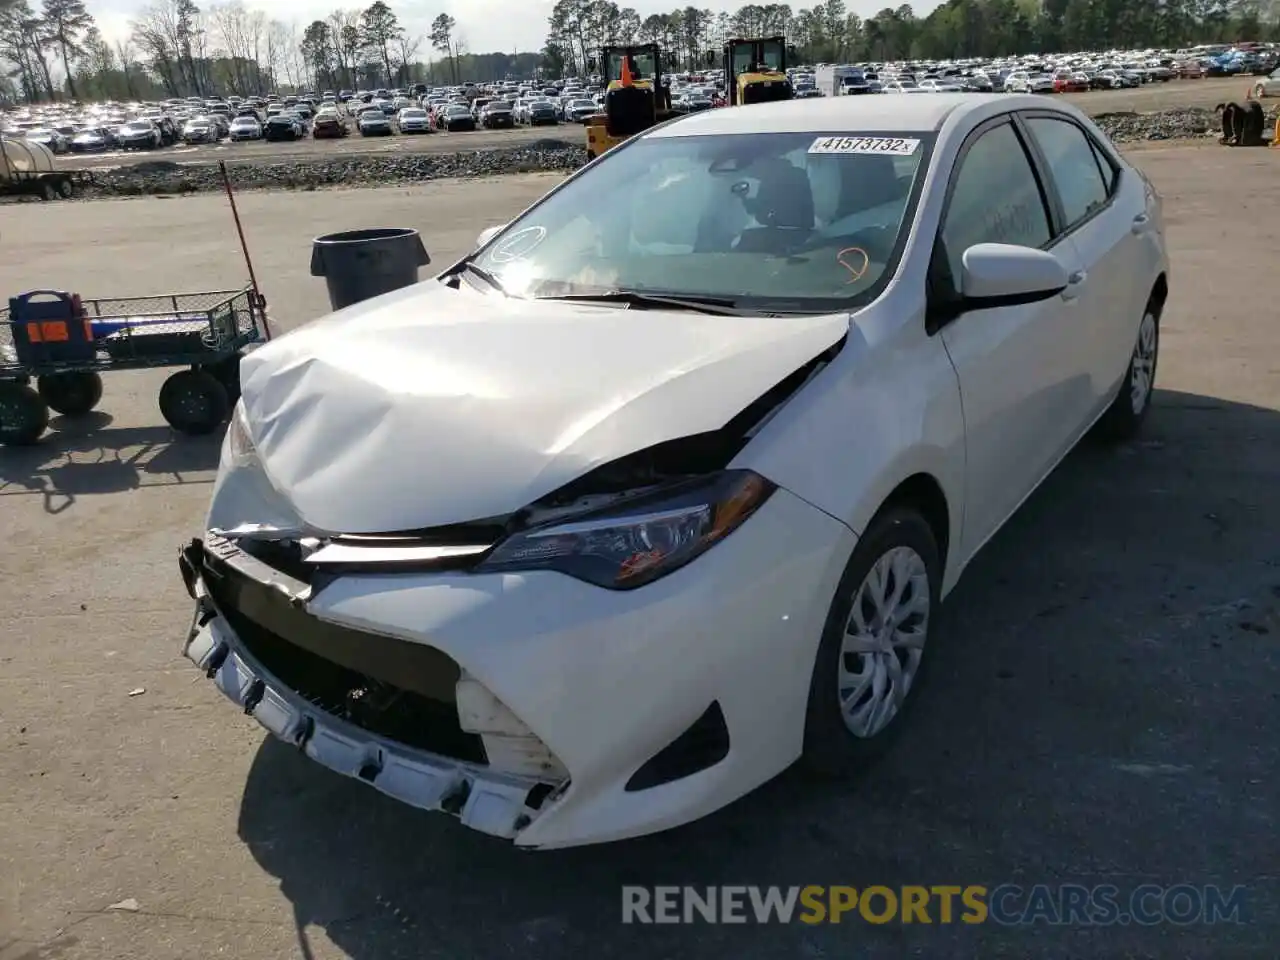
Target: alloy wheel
point(1143, 364)
point(884, 641)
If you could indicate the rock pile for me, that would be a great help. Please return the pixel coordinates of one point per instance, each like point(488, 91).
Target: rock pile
point(1186, 123)
point(310, 173)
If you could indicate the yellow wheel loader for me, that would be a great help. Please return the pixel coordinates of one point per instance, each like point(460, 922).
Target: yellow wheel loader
point(756, 70)
point(635, 98)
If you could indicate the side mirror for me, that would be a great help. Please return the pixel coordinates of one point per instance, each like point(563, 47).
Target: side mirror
point(711, 58)
point(488, 234)
point(591, 64)
point(1006, 275)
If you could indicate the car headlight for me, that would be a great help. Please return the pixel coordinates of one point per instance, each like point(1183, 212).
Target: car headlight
point(632, 544)
point(239, 442)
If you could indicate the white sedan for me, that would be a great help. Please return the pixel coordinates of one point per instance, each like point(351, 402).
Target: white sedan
point(659, 491)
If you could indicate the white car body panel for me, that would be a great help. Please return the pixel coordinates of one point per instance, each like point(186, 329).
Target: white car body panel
point(774, 588)
point(367, 421)
point(344, 409)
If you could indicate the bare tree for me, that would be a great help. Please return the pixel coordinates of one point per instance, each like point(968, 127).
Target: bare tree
point(407, 53)
point(167, 32)
point(125, 53)
point(294, 67)
point(278, 41)
point(256, 28)
point(345, 27)
point(233, 30)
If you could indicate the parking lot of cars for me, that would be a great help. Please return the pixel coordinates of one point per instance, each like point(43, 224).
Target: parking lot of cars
point(103, 128)
point(1132, 81)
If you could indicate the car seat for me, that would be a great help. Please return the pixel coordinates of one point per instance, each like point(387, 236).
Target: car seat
point(865, 182)
point(783, 208)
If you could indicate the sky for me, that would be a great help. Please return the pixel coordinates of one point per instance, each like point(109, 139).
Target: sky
point(483, 25)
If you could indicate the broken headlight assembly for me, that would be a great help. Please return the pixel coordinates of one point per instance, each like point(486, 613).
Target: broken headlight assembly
point(640, 540)
point(239, 442)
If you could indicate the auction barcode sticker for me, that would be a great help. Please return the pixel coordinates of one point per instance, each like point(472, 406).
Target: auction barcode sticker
point(894, 146)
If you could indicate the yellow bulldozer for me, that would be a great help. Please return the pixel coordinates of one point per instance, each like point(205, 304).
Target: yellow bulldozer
point(635, 97)
point(755, 70)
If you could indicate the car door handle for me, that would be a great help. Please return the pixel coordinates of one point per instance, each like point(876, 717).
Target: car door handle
point(1074, 282)
point(1140, 224)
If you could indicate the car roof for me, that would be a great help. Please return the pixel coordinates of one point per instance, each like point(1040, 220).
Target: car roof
point(883, 114)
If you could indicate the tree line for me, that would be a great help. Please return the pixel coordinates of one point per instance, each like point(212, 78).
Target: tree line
point(177, 48)
point(52, 49)
point(828, 33)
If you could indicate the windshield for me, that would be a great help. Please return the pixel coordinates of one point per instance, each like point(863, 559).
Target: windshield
point(498, 105)
point(806, 222)
point(644, 65)
point(413, 114)
point(140, 125)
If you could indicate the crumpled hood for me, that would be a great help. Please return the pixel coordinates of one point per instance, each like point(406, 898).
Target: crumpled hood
point(431, 406)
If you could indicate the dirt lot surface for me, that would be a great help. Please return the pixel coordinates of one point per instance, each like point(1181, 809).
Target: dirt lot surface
point(1105, 707)
point(1152, 97)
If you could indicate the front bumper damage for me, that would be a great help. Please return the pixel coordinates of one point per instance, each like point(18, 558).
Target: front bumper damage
point(484, 799)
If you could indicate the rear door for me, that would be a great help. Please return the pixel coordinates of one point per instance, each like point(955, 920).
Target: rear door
point(1106, 225)
point(1018, 366)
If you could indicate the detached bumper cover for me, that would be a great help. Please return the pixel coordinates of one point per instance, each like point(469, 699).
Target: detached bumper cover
point(482, 799)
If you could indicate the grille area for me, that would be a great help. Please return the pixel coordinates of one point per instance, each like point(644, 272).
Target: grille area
point(392, 688)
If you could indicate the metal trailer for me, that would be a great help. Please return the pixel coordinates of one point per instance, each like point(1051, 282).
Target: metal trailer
point(64, 343)
point(27, 169)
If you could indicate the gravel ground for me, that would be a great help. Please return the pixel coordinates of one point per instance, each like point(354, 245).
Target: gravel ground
point(1179, 110)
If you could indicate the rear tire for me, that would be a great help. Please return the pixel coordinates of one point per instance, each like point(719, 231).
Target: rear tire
point(1124, 418)
point(24, 417)
point(70, 394)
point(194, 402)
point(66, 189)
point(48, 192)
point(878, 652)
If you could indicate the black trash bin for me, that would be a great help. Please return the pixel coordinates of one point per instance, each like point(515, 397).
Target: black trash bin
point(360, 264)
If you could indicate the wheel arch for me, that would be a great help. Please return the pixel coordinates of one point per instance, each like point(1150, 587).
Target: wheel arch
point(1160, 293)
point(922, 492)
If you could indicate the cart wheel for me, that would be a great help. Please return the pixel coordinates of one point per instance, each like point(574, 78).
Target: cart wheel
point(71, 394)
point(24, 417)
point(66, 189)
point(194, 402)
point(227, 373)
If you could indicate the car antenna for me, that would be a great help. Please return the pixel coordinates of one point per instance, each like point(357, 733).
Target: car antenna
point(260, 303)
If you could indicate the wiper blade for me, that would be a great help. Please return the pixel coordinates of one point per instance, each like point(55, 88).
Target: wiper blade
point(468, 266)
point(721, 306)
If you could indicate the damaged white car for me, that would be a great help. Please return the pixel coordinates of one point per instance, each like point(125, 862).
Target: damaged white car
point(659, 490)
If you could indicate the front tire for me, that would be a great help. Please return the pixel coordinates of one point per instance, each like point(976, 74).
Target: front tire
point(1124, 418)
point(875, 644)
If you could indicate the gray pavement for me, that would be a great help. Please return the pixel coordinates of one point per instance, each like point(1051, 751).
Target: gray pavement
point(1105, 704)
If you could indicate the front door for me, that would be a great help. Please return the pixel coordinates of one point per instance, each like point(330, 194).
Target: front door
point(1018, 366)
